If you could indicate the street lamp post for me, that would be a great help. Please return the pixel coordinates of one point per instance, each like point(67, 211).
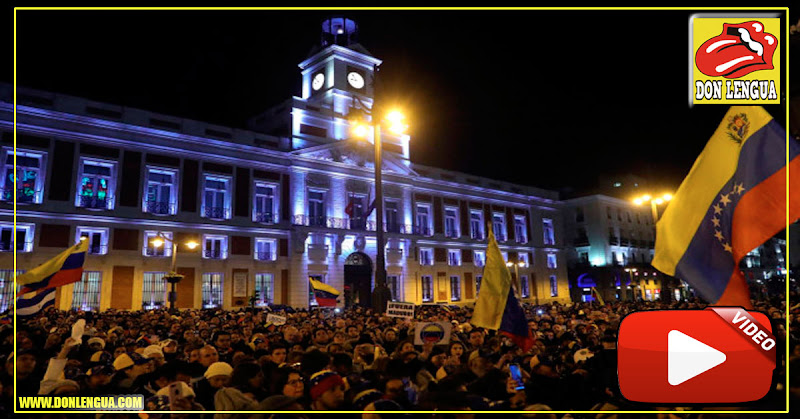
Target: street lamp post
point(630, 272)
point(516, 281)
point(172, 277)
point(381, 293)
point(654, 203)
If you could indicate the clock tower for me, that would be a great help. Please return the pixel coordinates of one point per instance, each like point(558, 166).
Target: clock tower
point(339, 68)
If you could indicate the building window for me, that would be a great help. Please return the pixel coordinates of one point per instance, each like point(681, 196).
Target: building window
point(265, 249)
point(455, 288)
point(264, 204)
point(454, 257)
point(424, 220)
point(608, 212)
point(393, 283)
point(162, 250)
point(7, 291)
point(524, 287)
point(86, 294)
point(316, 208)
point(425, 256)
point(619, 214)
point(478, 279)
point(98, 239)
point(499, 227)
point(212, 290)
point(356, 211)
point(30, 176)
point(390, 219)
point(553, 286)
point(479, 257)
point(161, 191)
point(476, 225)
point(24, 239)
point(628, 213)
point(216, 197)
point(265, 284)
point(551, 261)
point(215, 247)
point(451, 222)
point(579, 216)
point(549, 232)
point(520, 231)
point(96, 184)
point(154, 290)
point(427, 288)
point(584, 257)
point(523, 257)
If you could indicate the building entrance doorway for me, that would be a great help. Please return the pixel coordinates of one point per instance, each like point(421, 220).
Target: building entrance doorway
point(357, 280)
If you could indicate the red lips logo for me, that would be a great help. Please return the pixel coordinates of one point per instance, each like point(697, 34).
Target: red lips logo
point(739, 50)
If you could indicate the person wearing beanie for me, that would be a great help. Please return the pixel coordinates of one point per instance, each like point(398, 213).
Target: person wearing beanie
point(217, 376)
point(154, 353)
point(279, 402)
point(327, 390)
point(230, 398)
point(96, 344)
point(364, 398)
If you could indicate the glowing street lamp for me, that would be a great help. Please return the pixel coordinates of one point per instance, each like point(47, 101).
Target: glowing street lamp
point(654, 202)
point(516, 275)
point(360, 129)
point(172, 276)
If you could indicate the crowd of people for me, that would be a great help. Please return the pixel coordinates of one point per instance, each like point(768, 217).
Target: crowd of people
point(211, 361)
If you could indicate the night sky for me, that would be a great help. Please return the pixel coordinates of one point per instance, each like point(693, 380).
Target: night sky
point(542, 98)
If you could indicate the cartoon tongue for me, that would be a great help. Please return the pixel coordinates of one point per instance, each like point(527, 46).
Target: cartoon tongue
point(740, 49)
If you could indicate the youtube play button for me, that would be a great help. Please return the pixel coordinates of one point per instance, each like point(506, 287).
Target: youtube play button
point(687, 357)
point(717, 355)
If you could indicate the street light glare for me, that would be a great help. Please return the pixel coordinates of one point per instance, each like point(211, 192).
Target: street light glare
point(157, 242)
point(646, 198)
point(192, 245)
point(658, 201)
point(395, 117)
point(360, 130)
point(637, 201)
point(667, 197)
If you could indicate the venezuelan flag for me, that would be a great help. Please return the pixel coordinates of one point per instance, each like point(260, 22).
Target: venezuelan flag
point(732, 201)
point(63, 269)
point(497, 308)
point(323, 293)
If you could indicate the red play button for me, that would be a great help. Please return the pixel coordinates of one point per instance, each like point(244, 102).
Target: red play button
point(724, 355)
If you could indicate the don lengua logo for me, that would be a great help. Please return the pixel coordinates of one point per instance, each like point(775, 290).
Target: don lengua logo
point(739, 50)
point(735, 59)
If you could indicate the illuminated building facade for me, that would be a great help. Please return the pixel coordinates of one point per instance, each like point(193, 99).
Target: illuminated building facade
point(270, 206)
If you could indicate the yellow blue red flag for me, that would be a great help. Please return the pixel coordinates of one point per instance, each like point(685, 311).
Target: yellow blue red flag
point(733, 200)
point(63, 269)
point(323, 293)
point(497, 307)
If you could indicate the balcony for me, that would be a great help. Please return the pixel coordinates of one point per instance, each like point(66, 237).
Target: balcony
point(27, 246)
point(265, 256)
point(451, 234)
point(581, 241)
point(93, 202)
point(423, 231)
point(98, 249)
point(265, 218)
point(477, 235)
point(521, 240)
point(216, 213)
point(214, 254)
point(613, 240)
point(155, 251)
point(160, 207)
point(24, 195)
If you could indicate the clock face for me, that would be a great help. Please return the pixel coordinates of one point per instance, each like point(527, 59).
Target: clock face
point(318, 81)
point(356, 80)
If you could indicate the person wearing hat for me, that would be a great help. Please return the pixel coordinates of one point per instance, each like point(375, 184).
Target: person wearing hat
point(96, 344)
point(279, 402)
point(364, 398)
point(185, 399)
point(129, 367)
point(327, 390)
point(217, 376)
point(155, 354)
point(27, 378)
point(96, 380)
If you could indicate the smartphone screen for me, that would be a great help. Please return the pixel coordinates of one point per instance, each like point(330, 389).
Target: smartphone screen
point(516, 375)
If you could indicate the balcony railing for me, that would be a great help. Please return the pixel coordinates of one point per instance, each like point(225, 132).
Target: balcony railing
point(24, 195)
point(265, 256)
point(613, 240)
point(581, 241)
point(476, 235)
point(98, 249)
point(160, 207)
point(216, 213)
point(214, 254)
point(265, 218)
point(93, 202)
point(452, 234)
point(9, 246)
point(519, 239)
point(155, 251)
point(423, 230)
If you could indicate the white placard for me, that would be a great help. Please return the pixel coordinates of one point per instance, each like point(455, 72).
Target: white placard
point(77, 330)
point(403, 310)
point(437, 333)
point(276, 319)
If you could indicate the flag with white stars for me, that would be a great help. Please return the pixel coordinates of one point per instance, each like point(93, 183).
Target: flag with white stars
point(732, 201)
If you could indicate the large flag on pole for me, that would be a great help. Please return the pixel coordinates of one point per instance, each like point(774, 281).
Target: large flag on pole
point(323, 293)
point(732, 201)
point(497, 308)
point(32, 303)
point(63, 269)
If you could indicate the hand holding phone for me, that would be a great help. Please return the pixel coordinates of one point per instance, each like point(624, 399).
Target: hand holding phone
point(516, 375)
